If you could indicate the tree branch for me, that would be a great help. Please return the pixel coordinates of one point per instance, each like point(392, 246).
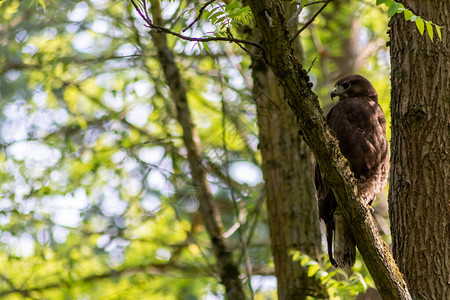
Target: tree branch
point(200, 13)
point(162, 29)
point(310, 21)
point(270, 19)
point(299, 11)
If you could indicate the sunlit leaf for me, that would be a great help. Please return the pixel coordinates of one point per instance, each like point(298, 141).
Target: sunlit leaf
point(408, 14)
point(313, 269)
point(205, 45)
point(420, 25)
point(430, 30)
point(393, 9)
point(42, 3)
point(438, 30)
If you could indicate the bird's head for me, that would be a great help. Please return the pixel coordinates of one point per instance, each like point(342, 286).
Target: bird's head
point(354, 86)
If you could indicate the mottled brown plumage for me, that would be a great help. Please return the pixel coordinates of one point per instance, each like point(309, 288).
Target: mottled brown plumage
point(360, 126)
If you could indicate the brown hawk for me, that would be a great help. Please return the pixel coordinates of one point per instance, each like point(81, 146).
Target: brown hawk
point(360, 127)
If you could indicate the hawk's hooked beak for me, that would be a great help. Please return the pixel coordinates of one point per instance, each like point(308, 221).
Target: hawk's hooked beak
point(333, 94)
point(337, 91)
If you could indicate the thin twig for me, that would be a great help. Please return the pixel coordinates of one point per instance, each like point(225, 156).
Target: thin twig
point(138, 9)
point(162, 29)
point(230, 35)
point(312, 64)
point(310, 21)
point(200, 13)
point(207, 39)
point(300, 9)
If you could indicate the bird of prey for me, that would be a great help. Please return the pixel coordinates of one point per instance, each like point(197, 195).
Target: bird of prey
point(360, 127)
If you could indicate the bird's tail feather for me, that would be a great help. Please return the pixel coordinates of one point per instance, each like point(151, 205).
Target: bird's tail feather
point(344, 247)
point(329, 224)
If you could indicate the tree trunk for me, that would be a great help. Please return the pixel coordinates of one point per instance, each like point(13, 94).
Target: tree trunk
point(228, 269)
point(291, 205)
point(288, 172)
point(278, 53)
point(420, 164)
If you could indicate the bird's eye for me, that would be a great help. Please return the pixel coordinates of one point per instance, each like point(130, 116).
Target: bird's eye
point(346, 85)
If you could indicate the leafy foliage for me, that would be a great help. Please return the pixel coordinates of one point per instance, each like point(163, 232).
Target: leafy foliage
point(341, 284)
point(225, 17)
point(395, 7)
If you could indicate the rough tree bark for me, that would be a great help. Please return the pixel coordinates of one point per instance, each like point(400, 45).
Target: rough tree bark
point(420, 160)
point(278, 52)
point(228, 270)
point(288, 171)
point(286, 165)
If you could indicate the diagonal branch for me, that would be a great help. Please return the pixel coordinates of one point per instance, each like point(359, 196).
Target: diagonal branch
point(310, 21)
point(305, 105)
point(300, 9)
point(200, 13)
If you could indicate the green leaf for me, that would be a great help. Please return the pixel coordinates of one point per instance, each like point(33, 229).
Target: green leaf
point(313, 270)
point(430, 30)
point(232, 6)
point(207, 14)
point(239, 12)
point(304, 2)
point(221, 19)
point(42, 3)
point(205, 45)
point(214, 16)
point(304, 260)
point(408, 14)
point(393, 9)
point(295, 255)
point(420, 25)
point(438, 30)
point(379, 2)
